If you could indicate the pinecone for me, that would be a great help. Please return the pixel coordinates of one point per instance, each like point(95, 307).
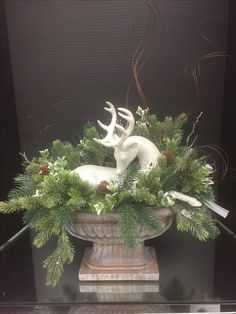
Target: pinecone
point(169, 156)
point(43, 169)
point(102, 187)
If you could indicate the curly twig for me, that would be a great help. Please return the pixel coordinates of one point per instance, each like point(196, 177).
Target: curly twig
point(193, 130)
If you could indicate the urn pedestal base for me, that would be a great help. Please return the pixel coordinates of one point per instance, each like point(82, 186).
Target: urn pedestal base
point(137, 267)
point(108, 259)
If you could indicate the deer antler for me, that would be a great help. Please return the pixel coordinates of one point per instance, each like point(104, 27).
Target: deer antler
point(111, 139)
point(125, 133)
point(109, 128)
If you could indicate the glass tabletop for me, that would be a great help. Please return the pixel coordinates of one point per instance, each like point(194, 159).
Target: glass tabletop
point(191, 274)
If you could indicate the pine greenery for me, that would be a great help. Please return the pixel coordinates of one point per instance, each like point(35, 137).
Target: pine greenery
point(128, 225)
point(50, 196)
point(63, 254)
point(198, 222)
point(146, 219)
point(24, 186)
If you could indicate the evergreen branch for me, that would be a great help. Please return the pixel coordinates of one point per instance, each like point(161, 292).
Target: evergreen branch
point(147, 219)
point(143, 196)
point(71, 153)
point(9, 207)
point(128, 225)
point(127, 178)
point(198, 222)
point(16, 205)
point(31, 214)
point(64, 216)
point(63, 254)
point(25, 186)
point(151, 179)
point(45, 223)
point(42, 237)
point(196, 229)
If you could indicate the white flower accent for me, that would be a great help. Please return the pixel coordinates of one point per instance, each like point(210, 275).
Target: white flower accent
point(207, 182)
point(208, 168)
point(186, 214)
point(57, 166)
point(98, 207)
point(112, 186)
point(37, 194)
point(167, 199)
point(44, 152)
point(50, 166)
point(143, 113)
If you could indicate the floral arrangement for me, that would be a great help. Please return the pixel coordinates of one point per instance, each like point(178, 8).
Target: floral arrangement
point(50, 194)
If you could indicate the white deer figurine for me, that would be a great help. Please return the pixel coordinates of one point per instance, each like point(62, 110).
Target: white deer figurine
point(126, 148)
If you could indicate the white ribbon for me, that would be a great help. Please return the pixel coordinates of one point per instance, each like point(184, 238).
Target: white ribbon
point(217, 209)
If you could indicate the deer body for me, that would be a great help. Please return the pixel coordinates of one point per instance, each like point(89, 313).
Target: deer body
point(95, 174)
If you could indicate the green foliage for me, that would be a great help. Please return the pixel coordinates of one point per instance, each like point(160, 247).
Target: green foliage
point(129, 175)
point(196, 221)
point(131, 217)
point(17, 205)
point(80, 194)
point(92, 152)
point(142, 195)
point(71, 153)
point(157, 131)
point(128, 225)
point(50, 195)
point(24, 186)
point(150, 180)
point(147, 219)
point(63, 254)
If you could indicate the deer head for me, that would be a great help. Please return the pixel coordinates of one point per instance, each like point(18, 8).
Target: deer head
point(127, 147)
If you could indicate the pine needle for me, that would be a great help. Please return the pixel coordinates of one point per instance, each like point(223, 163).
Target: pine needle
point(63, 254)
point(128, 225)
point(147, 219)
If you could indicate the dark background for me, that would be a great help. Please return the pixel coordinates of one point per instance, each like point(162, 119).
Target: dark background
point(61, 60)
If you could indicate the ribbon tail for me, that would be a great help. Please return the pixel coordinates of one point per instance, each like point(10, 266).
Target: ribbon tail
point(217, 209)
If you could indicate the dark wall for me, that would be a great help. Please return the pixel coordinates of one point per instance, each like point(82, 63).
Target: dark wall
point(225, 274)
point(12, 273)
point(69, 57)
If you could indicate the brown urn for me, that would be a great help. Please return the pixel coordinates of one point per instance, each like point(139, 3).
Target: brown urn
point(108, 258)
